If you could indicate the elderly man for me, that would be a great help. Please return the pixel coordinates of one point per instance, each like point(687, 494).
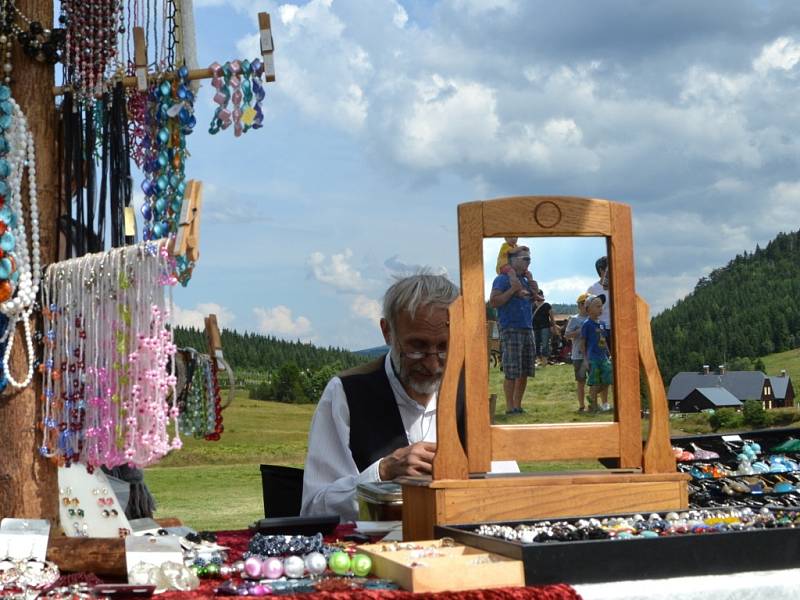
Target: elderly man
point(378, 421)
point(512, 299)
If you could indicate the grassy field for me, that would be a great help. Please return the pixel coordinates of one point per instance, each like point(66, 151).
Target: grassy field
point(217, 485)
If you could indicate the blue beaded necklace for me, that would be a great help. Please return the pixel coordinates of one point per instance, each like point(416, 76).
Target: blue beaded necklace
point(170, 119)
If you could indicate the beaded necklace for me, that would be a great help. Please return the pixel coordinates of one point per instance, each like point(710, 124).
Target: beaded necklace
point(108, 344)
point(171, 119)
point(28, 260)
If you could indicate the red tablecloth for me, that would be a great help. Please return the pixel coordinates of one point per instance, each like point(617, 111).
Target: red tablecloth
point(237, 541)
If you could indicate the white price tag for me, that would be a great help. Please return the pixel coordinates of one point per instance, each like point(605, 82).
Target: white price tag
point(24, 538)
point(152, 550)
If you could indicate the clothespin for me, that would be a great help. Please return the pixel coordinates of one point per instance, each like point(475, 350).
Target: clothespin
point(187, 240)
point(214, 340)
point(267, 46)
point(140, 58)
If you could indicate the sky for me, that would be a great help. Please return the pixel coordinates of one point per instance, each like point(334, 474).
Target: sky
point(387, 114)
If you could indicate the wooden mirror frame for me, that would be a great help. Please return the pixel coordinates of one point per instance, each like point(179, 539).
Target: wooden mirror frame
point(548, 216)
point(459, 490)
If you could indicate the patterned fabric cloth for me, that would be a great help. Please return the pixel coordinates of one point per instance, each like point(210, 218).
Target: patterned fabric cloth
point(519, 353)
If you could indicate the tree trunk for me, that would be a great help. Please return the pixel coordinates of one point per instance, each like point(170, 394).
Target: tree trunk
point(28, 482)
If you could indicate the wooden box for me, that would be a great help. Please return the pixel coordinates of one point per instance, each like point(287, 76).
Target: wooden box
point(435, 566)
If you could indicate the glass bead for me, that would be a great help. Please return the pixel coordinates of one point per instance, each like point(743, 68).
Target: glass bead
point(5, 92)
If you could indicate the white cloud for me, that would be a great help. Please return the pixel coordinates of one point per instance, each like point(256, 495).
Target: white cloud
point(366, 308)
point(194, 317)
point(434, 134)
point(783, 54)
point(663, 291)
point(280, 322)
point(318, 68)
point(784, 206)
point(567, 287)
point(479, 7)
point(337, 273)
point(395, 266)
point(400, 16)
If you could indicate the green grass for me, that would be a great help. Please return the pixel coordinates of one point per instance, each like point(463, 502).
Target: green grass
point(549, 398)
point(255, 432)
point(208, 497)
point(217, 485)
point(789, 360)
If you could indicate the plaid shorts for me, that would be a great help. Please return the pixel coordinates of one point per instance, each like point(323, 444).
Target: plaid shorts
point(519, 353)
point(600, 372)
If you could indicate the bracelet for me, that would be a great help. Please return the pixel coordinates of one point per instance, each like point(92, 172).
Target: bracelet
point(278, 545)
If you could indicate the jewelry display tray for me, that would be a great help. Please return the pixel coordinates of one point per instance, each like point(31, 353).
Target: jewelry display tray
point(599, 561)
point(451, 567)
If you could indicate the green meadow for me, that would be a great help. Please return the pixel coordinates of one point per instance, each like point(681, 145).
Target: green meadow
point(217, 485)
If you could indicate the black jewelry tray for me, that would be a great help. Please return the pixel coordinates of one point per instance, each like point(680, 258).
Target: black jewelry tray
point(324, 524)
point(596, 561)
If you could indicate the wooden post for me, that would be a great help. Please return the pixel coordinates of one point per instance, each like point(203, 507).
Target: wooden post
point(28, 483)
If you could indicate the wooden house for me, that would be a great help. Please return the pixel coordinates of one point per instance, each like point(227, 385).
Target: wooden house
point(690, 391)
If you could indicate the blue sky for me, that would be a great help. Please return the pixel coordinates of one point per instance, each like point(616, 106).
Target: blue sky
point(386, 115)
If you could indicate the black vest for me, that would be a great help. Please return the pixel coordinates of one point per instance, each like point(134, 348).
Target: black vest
point(376, 428)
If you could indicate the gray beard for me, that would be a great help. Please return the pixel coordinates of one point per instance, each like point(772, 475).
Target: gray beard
point(420, 387)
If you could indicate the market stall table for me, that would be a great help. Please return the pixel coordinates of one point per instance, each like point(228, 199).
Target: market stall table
point(237, 542)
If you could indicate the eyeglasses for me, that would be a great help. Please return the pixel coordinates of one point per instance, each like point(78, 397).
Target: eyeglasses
point(417, 355)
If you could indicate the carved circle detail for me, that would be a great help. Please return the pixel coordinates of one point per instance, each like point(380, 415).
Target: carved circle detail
point(547, 214)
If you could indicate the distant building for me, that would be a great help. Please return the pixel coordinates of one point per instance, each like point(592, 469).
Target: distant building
point(703, 398)
point(691, 391)
point(782, 390)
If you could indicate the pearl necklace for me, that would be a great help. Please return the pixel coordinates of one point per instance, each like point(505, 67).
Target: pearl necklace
point(19, 308)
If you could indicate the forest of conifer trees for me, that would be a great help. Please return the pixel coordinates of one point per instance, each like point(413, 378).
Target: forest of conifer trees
point(744, 310)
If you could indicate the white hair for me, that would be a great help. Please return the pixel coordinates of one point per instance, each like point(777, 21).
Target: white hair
point(413, 291)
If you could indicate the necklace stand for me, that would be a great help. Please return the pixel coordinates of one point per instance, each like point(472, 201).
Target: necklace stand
point(460, 489)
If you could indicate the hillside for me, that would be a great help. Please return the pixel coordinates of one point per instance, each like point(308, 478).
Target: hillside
point(261, 353)
point(746, 309)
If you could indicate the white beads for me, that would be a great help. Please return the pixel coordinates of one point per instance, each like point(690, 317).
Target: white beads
point(22, 155)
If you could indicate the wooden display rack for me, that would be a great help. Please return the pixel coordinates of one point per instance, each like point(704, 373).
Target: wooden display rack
point(460, 491)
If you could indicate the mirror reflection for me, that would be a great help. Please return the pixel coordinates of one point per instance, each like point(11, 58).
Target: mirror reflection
point(548, 309)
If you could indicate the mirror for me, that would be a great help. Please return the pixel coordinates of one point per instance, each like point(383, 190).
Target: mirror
point(561, 268)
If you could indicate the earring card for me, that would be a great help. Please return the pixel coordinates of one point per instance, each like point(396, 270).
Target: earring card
point(88, 506)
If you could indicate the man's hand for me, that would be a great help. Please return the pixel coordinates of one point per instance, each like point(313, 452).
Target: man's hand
point(416, 459)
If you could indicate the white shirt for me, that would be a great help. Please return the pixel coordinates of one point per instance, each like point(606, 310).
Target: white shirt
point(596, 289)
point(331, 475)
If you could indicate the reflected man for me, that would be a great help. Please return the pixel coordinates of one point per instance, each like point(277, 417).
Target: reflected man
point(512, 299)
